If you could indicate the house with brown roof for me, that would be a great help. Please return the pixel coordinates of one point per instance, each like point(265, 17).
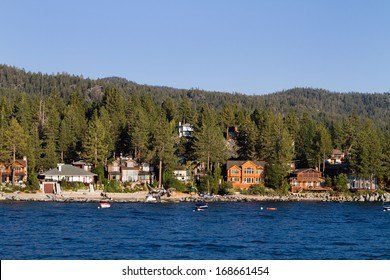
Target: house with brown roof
point(245, 173)
point(16, 170)
point(125, 169)
point(307, 179)
point(83, 165)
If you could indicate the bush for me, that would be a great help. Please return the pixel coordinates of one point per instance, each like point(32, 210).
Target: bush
point(134, 188)
point(341, 183)
point(257, 189)
point(226, 188)
point(112, 186)
point(33, 182)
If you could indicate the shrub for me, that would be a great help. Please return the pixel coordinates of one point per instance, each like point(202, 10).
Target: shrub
point(112, 186)
point(226, 188)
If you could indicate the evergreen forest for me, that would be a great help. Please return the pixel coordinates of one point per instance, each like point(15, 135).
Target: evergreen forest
point(62, 118)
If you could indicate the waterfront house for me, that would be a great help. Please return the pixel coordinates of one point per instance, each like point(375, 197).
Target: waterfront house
point(181, 173)
point(67, 172)
point(129, 170)
point(244, 174)
point(146, 173)
point(307, 179)
point(17, 169)
point(114, 170)
point(125, 169)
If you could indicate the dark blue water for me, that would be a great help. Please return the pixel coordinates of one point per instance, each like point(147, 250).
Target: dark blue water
point(297, 230)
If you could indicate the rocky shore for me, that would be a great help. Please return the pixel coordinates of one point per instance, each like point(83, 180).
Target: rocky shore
point(181, 197)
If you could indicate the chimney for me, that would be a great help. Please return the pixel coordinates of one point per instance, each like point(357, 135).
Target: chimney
point(59, 166)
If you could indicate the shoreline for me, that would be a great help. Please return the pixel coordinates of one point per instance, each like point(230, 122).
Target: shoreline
point(182, 197)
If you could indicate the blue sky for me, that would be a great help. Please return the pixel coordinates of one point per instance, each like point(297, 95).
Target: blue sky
point(250, 47)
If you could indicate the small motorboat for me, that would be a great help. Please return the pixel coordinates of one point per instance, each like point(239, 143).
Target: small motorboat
point(272, 208)
point(386, 206)
point(150, 198)
point(104, 205)
point(201, 206)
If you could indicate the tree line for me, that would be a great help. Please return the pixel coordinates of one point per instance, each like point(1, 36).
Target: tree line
point(60, 118)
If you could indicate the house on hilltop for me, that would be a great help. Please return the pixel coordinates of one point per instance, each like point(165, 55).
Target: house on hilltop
point(337, 157)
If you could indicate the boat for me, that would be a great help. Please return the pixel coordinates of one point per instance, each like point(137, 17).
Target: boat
point(150, 198)
point(386, 206)
point(104, 204)
point(201, 206)
point(272, 208)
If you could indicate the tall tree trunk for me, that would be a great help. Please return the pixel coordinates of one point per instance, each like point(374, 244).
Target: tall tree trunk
point(13, 165)
point(160, 175)
point(227, 133)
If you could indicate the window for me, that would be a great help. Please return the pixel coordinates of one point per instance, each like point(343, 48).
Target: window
point(248, 170)
point(115, 168)
point(234, 171)
point(248, 180)
point(259, 171)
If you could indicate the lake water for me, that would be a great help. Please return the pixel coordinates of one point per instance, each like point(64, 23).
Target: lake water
point(297, 230)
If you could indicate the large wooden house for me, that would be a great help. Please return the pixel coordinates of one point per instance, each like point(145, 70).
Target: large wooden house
point(14, 171)
point(244, 174)
point(307, 179)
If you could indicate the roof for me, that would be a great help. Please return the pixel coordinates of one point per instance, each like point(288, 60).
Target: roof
point(67, 170)
point(81, 162)
point(231, 163)
point(296, 171)
point(337, 152)
point(22, 162)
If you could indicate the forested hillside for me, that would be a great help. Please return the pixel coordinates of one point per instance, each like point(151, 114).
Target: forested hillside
point(62, 117)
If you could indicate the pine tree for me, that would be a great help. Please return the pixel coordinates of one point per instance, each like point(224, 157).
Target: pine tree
point(322, 145)
point(246, 140)
point(227, 118)
point(304, 143)
point(95, 142)
point(366, 154)
point(209, 145)
point(163, 142)
point(170, 109)
point(16, 141)
point(186, 113)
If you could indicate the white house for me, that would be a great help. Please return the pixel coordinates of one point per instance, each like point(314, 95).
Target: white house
point(182, 174)
point(185, 130)
point(69, 173)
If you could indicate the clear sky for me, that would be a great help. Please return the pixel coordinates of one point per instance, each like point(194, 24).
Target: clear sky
point(251, 47)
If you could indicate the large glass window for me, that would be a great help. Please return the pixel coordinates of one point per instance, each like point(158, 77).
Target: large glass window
point(249, 170)
point(248, 180)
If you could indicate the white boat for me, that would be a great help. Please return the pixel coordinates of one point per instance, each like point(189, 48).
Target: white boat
point(201, 206)
point(386, 206)
point(104, 205)
point(150, 198)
